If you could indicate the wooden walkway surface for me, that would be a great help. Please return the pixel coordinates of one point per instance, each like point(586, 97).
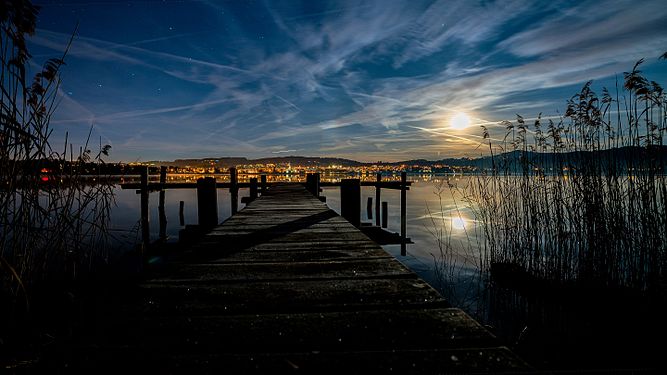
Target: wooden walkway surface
point(286, 285)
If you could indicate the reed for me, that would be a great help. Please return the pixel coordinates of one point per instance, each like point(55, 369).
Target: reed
point(53, 222)
point(581, 199)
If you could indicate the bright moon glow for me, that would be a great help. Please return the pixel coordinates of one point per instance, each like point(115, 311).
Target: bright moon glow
point(459, 121)
point(458, 223)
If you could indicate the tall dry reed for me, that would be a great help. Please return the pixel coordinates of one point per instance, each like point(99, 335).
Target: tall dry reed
point(52, 222)
point(581, 199)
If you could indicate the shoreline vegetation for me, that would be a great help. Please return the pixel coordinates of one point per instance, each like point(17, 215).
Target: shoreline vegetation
point(600, 220)
point(50, 235)
point(573, 229)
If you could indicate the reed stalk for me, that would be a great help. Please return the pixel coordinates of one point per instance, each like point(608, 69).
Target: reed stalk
point(583, 202)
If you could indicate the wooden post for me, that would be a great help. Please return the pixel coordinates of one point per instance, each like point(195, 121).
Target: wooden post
point(181, 217)
point(234, 190)
point(162, 214)
point(377, 199)
point(207, 202)
point(145, 230)
point(253, 189)
point(385, 214)
point(350, 200)
point(263, 184)
point(313, 183)
point(404, 180)
point(310, 178)
point(369, 208)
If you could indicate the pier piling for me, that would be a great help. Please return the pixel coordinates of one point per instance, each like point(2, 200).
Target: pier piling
point(234, 190)
point(253, 189)
point(350, 200)
point(145, 230)
point(207, 202)
point(369, 208)
point(377, 199)
point(181, 216)
point(404, 185)
point(161, 210)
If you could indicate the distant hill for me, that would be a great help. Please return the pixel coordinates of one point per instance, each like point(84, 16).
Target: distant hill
point(622, 155)
point(226, 162)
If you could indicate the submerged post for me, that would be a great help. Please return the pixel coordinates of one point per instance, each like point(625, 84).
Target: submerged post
point(234, 190)
point(253, 189)
point(161, 211)
point(385, 214)
point(263, 184)
point(350, 200)
point(207, 202)
point(377, 199)
point(404, 184)
point(145, 230)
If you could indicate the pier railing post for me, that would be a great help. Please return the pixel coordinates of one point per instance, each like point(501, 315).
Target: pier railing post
point(161, 210)
point(377, 199)
point(207, 202)
point(404, 180)
point(350, 200)
point(234, 190)
point(385, 214)
point(263, 184)
point(145, 230)
point(253, 189)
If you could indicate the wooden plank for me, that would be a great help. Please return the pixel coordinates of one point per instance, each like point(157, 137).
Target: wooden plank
point(189, 299)
point(278, 245)
point(270, 235)
point(290, 255)
point(440, 361)
point(403, 329)
point(282, 271)
point(115, 359)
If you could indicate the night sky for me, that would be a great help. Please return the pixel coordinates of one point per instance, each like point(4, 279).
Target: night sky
point(368, 80)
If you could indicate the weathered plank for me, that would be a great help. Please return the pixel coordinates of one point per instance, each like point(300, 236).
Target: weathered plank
point(291, 255)
point(387, 329)
point(190, 299)
point(370, 268)
point(439, 361)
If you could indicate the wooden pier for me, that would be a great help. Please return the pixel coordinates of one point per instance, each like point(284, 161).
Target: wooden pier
point(285, 285)
point(350, 193)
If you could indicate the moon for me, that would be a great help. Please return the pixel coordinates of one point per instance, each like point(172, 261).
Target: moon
point(458, 223)
point(459, 121)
